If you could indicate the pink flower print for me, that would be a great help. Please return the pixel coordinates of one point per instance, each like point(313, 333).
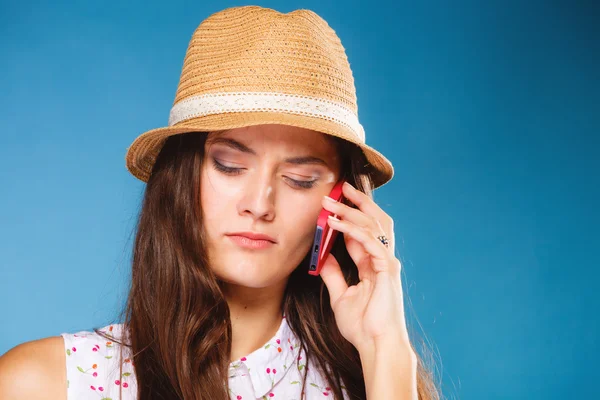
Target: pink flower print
point(96, 347)
point(325, 392)
point(86, 371)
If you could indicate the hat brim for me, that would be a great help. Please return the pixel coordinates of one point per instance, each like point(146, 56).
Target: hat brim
point(142, 153)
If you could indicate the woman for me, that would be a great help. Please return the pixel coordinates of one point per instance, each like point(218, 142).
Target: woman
point(221, 304)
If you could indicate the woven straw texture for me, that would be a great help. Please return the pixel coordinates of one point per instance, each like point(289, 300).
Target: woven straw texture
point(252, 49)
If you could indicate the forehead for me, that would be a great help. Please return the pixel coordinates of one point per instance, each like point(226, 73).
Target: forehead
point(275, 136)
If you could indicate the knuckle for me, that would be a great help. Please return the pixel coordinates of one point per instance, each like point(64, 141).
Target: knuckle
point(389, 220)
point(374, 222)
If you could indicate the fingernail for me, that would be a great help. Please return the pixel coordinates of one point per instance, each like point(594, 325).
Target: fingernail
point(329, 199)
point(334, 218)
point(348, 185)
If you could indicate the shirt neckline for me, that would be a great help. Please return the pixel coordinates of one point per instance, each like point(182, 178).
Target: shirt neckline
point(268, 364)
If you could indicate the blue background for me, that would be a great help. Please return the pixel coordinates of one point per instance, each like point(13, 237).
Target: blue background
point(488, 110)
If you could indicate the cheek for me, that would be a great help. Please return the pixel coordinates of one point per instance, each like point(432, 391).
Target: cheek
point(215, 194)
point(300, 221)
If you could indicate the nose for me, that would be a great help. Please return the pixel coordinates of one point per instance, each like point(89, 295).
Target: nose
point(258, 199)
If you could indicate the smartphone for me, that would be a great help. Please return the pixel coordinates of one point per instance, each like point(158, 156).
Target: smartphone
point(324, 235)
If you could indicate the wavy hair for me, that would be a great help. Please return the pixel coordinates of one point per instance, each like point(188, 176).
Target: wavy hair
point(176, 316)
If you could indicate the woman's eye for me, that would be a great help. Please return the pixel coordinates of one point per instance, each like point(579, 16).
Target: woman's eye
point(237, 171)
point(225, 169)
point(303, 184)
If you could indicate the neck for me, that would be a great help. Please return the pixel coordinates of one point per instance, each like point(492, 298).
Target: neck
point(255, 316)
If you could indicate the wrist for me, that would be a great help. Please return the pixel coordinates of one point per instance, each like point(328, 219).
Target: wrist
point(385, 346)
point(389, 368)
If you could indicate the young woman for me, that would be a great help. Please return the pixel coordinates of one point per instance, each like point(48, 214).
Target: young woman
point(221, 305)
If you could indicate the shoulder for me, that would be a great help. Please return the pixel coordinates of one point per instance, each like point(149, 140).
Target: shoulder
point(34, 370)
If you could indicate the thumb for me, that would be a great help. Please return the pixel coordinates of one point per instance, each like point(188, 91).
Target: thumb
point(332, 275)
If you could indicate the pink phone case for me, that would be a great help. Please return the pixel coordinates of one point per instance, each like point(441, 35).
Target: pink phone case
point(324, 235)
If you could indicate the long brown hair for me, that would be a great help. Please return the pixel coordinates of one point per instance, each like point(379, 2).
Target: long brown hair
point(176, 315)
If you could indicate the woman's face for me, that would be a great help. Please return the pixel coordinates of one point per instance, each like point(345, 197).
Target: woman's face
point(268, 179)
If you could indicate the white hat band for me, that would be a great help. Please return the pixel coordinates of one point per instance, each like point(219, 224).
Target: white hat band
point(217, 103)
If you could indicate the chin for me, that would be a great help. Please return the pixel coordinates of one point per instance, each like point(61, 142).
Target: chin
point(248, 274)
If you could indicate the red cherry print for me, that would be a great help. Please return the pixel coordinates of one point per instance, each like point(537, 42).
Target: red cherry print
point(326, 393)
point(117, 382)
point(271, 395)
point(92, 387)
point(279, 349)
point(274, 371)
point(74, 349)
point(328, 388)
point(94, 349)
point(278, 341)
point(95, 374)
point(110, 328)
point(243, 359)
point(239, 397)
point(101, 389)
point(125, 384)
point(291, 348)
point(268, 370)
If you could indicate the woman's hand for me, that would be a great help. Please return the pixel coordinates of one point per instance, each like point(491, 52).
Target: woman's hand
point(370, 313)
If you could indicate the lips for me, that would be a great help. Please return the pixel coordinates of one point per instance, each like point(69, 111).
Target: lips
point(253, 236)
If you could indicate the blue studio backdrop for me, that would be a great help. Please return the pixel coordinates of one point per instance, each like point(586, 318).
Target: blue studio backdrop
point(490, 112)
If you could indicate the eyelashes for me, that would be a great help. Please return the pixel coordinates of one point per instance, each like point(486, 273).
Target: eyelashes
point(236, 171)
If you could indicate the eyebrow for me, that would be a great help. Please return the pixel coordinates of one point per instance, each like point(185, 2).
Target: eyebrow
point(234, 144)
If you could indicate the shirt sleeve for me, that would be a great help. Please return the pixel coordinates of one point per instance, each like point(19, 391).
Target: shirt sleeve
point(92, 365)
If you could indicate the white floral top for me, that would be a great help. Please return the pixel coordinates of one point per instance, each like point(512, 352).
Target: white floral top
point(274, 371)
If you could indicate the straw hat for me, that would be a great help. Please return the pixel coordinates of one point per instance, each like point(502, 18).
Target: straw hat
point(252, 65)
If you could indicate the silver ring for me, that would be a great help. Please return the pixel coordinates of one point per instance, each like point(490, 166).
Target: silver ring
point(383, 240)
